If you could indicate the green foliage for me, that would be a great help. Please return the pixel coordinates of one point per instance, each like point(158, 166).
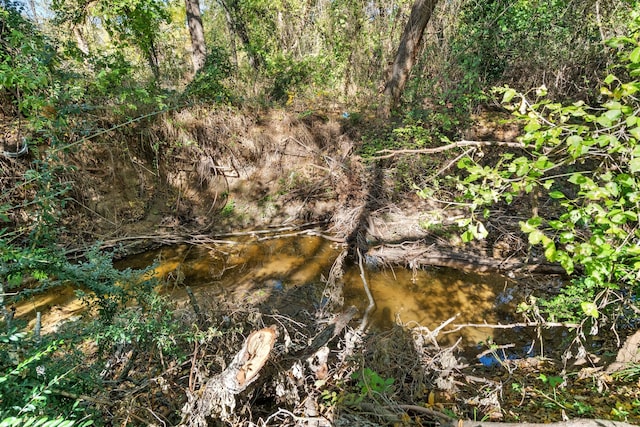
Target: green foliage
point(229, 209)
point(369, 384)
point(586, 160)
point(208, 84)
point(111, 70)
point(289, 75)
point(499, 40)
point(27, 58)
point(29, 380)
point(150, 325)
point(103, 286)
point(136, 22)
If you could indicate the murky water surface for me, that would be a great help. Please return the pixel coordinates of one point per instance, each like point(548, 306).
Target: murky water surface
point(257, 271)
point(282, 272)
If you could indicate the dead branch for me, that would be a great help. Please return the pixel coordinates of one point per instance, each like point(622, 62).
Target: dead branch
point(166, 238)
point(513, 325)
point(422, 333)
point(279, 416)
point(457, 144)
point(196, 308)
point(328, 333)
point(429, 412)
point(570, 423)
point(372, 303)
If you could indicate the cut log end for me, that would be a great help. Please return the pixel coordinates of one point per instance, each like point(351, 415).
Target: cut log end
point(257, 348)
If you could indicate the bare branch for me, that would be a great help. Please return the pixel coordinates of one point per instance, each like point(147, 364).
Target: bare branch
point(513, 325)
point(457, 144)
point(372, 303)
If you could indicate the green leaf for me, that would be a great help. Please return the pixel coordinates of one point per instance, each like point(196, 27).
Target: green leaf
point(508, 95)
point(543, 163)
point(557, 194)
point(550, 252)
point(557, 225)
point(555, 381)
point(536, 237)
point(634, 165)
point(577, 178)
point(531, 225)
point(635, 55)
point(566, 262)
point(567, 236)
point(613, 115)
point(604, 121)
point(590, 309)
point(532, 126)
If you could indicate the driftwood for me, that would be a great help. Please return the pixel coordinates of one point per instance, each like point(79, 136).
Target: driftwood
point(570, 423)
point(372, 304)
point(446, 421)
point(386, 153)
point(458, 327)
point(166, 238)
point(628, 354)
point(217, 396)
point(417, 256)
point(329, 332)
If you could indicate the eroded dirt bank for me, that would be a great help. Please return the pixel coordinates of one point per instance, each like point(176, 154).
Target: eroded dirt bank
point(211, 171)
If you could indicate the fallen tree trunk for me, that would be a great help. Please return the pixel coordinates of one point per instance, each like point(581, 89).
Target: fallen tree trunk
point(570, 423)
point(418, 256)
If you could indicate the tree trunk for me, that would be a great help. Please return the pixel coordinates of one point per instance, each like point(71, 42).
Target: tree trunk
point(198, 46)
point(32, 4)
point(232, 39)
point(234, 12)
point(152, 58)
point(407, 51)
point(80, 40)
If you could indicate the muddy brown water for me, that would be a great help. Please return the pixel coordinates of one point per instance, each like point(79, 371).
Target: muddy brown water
point(277, 273)
point(287, 275)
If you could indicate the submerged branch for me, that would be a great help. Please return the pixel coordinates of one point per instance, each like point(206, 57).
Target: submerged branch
point(372, 303)
point(513, 325)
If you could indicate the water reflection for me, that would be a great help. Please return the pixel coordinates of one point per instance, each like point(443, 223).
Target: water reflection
point(259, 272)
point(287, 275)
point(430, 297)
point(247, 271)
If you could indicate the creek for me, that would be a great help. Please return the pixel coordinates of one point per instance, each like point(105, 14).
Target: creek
point(287, 275)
